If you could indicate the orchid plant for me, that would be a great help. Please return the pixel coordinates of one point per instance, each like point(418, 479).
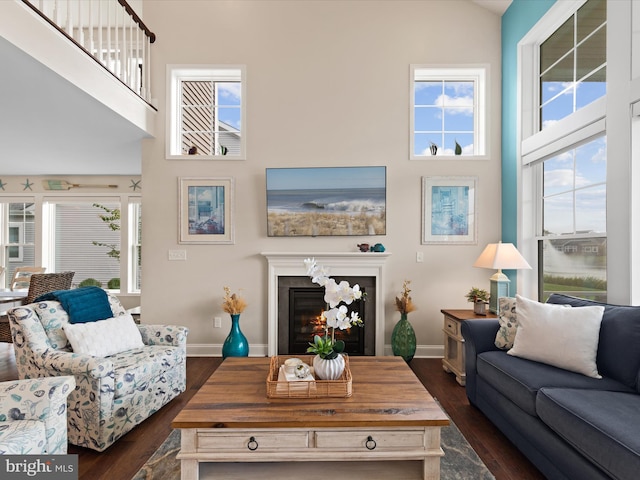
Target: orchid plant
point(337, 296)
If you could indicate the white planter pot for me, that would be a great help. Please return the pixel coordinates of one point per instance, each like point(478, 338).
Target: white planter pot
point(328, 369)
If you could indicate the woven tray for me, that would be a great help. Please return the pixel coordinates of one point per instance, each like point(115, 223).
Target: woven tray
point(315, 389)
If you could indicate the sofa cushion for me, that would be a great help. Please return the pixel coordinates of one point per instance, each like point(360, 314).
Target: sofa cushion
point(104, 337)
point(619, 343)
point(519, 379)
point(23, 437)
point(602, 425)
point(135, 369)
point(557, 335)
point(508, 320)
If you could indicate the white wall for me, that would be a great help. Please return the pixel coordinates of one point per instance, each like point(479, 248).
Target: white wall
point(333, 76)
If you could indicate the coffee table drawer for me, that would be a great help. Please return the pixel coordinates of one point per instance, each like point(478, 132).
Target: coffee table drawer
point(252, 440)
point(370, 440)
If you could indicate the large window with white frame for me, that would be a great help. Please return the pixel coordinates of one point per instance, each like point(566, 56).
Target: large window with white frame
point(564, 151)
point(448, 111)
point(98, 238)
point(17, 237)
point(206, 112)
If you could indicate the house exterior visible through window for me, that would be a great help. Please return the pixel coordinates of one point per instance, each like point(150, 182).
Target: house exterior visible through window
point(97, 237)
point(564, 151)
point(206, 112)
point(18, 249)
point(448, 112)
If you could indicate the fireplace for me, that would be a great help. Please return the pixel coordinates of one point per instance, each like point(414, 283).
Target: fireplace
point(300, 307)
point(340, 265)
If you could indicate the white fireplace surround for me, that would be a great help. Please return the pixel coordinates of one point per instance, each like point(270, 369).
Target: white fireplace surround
point(362, 264)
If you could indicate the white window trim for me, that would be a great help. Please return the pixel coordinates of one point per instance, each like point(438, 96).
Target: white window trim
point(20, 228)
point(479, 74)
point(534, 146)
point(178, 73)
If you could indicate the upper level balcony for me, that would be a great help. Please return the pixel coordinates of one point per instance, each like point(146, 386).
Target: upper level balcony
point(77, 78)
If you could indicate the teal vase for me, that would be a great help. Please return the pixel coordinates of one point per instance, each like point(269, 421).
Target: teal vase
point(403, 339)
point(236, 344)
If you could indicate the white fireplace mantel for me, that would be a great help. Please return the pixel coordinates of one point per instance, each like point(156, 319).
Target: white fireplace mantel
point(363, 264)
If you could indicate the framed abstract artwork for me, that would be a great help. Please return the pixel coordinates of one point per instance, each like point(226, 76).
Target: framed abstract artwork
point(326, 201)
point(205, 213)
point(449, 210)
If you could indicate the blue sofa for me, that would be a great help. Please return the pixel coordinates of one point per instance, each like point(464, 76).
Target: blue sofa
point(568, 425)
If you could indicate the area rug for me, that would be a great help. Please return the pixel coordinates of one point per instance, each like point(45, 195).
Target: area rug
point(460, 462)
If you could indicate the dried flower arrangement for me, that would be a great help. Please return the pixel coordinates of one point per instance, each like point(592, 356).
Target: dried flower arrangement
point(233, 304)
point(403, 303)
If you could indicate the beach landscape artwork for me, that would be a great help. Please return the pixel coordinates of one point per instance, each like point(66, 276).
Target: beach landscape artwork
point(326, 201)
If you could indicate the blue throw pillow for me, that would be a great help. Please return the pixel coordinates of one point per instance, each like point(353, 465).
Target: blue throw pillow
point(86, 304)
point(619, 343)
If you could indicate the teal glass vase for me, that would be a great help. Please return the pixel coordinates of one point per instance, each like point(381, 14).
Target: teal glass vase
point(403, 339)
point(236, 344)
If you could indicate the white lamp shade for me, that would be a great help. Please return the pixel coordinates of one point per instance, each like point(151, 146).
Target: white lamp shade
point(500, 256)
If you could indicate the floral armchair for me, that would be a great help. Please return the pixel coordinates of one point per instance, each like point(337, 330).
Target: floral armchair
point(113, 393)
point(33, 416)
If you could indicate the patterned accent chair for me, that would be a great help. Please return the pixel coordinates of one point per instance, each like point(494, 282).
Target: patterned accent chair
point(113, 394)
point(33, 416)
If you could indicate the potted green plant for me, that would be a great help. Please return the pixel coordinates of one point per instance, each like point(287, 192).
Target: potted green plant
point(480, 298)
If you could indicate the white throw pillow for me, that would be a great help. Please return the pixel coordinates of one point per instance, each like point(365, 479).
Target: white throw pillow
point(559, 336)
point(104, 337)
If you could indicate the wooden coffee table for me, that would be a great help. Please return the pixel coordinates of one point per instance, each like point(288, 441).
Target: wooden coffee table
point(390, 419)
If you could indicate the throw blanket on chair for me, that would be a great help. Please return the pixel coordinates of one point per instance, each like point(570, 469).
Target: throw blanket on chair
point(86, 304)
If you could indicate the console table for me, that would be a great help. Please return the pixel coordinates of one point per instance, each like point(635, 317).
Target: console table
point(390, 418)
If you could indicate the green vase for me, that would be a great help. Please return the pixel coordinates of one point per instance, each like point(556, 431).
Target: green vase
point(236, 344)
point(403, 339)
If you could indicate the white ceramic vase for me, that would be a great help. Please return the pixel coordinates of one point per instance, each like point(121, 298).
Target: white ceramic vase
point(328, 369)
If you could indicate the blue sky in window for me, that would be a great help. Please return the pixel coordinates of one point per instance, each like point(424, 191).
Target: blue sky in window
point(443, 114)
point(582, 169)
point(229, 101)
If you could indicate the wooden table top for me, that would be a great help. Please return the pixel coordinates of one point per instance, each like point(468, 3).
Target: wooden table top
point(386, 393)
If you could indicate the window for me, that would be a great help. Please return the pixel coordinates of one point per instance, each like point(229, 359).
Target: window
point(206, 112)
point(17, 239)
point(573, 244)
point(564, 150)
point(86, 235)
point(86, 239)
point(448, 107)
point(573, 70)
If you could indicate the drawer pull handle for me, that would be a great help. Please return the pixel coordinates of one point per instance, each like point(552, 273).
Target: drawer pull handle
point(253, 444)
point(370, 443)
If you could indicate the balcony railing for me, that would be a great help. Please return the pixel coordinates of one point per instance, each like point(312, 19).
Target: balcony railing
point(108, 30)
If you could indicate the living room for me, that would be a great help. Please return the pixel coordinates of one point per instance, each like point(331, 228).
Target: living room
point(344, 66)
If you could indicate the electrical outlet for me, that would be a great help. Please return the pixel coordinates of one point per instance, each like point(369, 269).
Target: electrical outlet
point(419, 257)
point(177, 254)
point(217, 322)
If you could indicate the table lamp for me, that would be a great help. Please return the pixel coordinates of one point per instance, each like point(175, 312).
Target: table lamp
point(498, 256)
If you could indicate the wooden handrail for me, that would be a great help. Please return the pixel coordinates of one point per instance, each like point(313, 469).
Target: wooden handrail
point(138, 20)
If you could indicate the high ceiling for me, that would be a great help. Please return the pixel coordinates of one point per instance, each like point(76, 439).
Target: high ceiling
point(49, 126)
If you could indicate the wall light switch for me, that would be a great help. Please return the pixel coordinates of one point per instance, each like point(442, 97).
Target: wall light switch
point(217, 322)
point(177, 254)
point(419, 257)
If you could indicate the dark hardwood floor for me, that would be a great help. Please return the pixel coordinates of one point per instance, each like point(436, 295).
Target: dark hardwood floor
point(123, 459)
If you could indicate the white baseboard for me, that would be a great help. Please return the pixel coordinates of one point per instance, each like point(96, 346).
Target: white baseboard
point(215, 350)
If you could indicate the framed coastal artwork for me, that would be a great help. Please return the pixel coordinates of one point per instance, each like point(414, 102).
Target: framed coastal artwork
point(205, 213)
point(449, 210)
point(326, 201)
